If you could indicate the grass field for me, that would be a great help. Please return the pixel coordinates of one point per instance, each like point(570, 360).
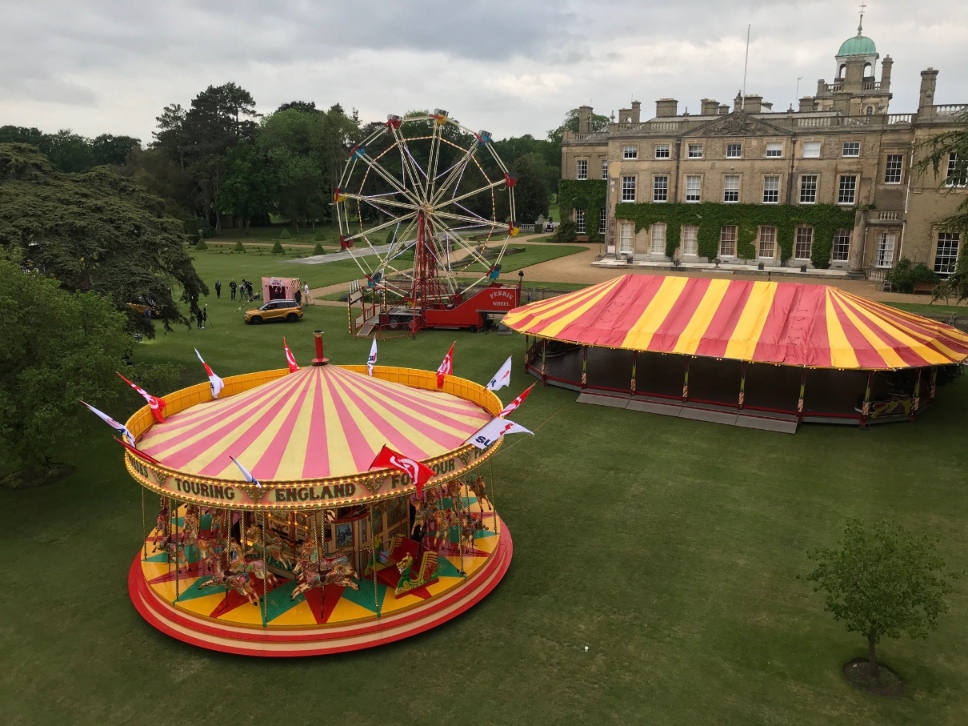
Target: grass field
point(532, 255)
point(671, 548)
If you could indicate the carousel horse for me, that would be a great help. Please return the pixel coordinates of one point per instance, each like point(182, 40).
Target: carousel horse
point(313, 571)
point(163, 521)
point(237, 581)
point(275, 546)
point(191, 525)
point(471, 524)
point(421, 515)
point(478, 488)
point(171, 547)
point(445, 519)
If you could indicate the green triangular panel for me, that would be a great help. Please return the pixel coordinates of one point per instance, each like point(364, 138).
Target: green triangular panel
point(194, 592)
point(160, 557)
point(277, 601)
point(364, 596)
point(445, 568)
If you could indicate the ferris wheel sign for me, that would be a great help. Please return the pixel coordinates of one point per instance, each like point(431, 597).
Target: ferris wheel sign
point(425, 208)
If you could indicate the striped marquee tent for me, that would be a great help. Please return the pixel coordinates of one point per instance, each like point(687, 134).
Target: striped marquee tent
point(797, 325)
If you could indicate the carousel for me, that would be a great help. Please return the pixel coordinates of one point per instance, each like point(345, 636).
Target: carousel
point(276, 535)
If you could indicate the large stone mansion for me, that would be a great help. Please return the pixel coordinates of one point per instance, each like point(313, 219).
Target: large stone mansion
point(842, 152)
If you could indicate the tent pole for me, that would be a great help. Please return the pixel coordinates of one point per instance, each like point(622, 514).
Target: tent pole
point(803, 385)
point(917, 395)
point(635, 363)
point(685, 383)
point(544, 363)
point(584, 367)
point(934, 384)
point(866, 409)
point(742, 387)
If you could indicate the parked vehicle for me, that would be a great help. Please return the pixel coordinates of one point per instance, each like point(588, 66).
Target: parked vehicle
point(288, 310)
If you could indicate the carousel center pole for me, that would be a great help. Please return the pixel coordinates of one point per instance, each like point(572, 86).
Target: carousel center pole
point(265, 574)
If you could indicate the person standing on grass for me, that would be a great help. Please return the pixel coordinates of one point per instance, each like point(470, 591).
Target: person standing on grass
point(232, 288)
point(297, 297)
point(306, 292)
point(242, 290)
point(218, 289)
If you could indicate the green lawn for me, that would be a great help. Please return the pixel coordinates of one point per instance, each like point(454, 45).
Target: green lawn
point(932, 309)
point(671, 548)
point(214, 265)
point(532, 255)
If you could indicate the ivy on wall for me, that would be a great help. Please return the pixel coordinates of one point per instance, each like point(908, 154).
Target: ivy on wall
point(825, 219)
point(587, 194)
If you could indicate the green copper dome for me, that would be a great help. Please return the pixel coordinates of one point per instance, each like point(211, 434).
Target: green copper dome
point(858, 45)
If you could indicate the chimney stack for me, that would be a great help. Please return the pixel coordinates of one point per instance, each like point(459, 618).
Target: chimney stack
point(929, 81)
point(665, 107)
point(709, 107)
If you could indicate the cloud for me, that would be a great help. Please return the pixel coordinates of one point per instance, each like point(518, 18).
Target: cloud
point(110, 66)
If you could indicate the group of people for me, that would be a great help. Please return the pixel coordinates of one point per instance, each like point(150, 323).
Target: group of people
point(245, 290)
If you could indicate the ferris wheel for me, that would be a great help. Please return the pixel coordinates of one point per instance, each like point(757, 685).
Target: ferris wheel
point(426, 209)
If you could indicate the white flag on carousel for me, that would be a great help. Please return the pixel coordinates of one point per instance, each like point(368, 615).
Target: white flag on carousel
point(371, 361)
point(502, 379)
point(497, 428)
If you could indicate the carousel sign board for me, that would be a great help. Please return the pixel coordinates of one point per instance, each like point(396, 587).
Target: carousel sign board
point(310, 494)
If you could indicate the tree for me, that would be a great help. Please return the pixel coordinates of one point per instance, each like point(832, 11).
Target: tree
point(531, 189)
point(57, 347)
point(249, 189)
point(599, 123)
point(303, 106)
point(108, 149)
point(950, 152)
point(96, 231)
point(882, 582)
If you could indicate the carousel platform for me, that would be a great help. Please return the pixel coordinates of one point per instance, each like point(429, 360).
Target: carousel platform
point(326, 620)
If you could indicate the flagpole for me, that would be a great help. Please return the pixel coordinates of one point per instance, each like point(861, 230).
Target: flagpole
point(265, 578)
point(175, 540)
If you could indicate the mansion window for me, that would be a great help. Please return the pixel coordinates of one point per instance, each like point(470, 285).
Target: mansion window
point(661, 151)
point(582, 169)
point(803, 242)
point(695, 151)
point(731, 188)
point(774, 150)
point(771, 190)
point(660, 189)
point(947, 253)
point(625, 238)
point(602, 221)
point(659, 238)
point(693, 188)
point(957, 175)
point(811, 149)
point(884, 256)
point(630, 152)
point(727, 240)
point(767, 243)
point(628, 188)
point(604, 168)
point(892, 168)
point(580, 221)
point(734, 151)
point(841, 247)
point(808, 189)
point(851, 148)
point(690, 239)
point(848, 190)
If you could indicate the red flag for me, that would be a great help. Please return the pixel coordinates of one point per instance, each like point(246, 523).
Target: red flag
point(138, 452)
point(214, 381)
point(516, 402)
point(446, 366)
point(290, 359)
point(419, 473)
point(157, 405)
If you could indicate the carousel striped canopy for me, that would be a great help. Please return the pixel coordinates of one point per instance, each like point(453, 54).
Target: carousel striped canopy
point(316, 423)
point(786, 323)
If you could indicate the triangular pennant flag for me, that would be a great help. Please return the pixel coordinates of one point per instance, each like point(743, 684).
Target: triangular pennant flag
point(502, 379)
point(290, 358)
point(494, 430)
point(516, 402)
point(138, 452)
point(418, 472)
point(446, 366)
point(371, 361)
point(246, 473)
point(116, 425)
point(157, 405)
point(216, 382)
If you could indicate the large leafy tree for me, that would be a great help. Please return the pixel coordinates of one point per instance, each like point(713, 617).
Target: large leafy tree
point(531, 190)
point(96, 231)
point(249, 188)
point(882, 582)
point(108, 149)
point(947, 155)
point(58, 347)
point(599, 123)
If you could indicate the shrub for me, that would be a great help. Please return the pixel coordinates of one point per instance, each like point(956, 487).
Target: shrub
point(318, 249)
point(239, 247)
point(277, 248)
point(565, 232)
point(319, 236)
point(905, 275)
point(285, 235)
point(200, 245)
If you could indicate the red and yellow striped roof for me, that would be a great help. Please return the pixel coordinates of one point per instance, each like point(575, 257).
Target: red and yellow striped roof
point(788, 323)
point(316, 423)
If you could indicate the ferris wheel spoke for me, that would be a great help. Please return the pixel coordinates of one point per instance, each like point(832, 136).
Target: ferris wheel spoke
point(407, 160)
point(379, 203)
point(472, 220)
point(464, 244)
point(387, 177)
point(468, 195)
point(454, 177)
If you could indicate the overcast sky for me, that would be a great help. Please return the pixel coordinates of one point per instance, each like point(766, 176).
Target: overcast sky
point(509, 66)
